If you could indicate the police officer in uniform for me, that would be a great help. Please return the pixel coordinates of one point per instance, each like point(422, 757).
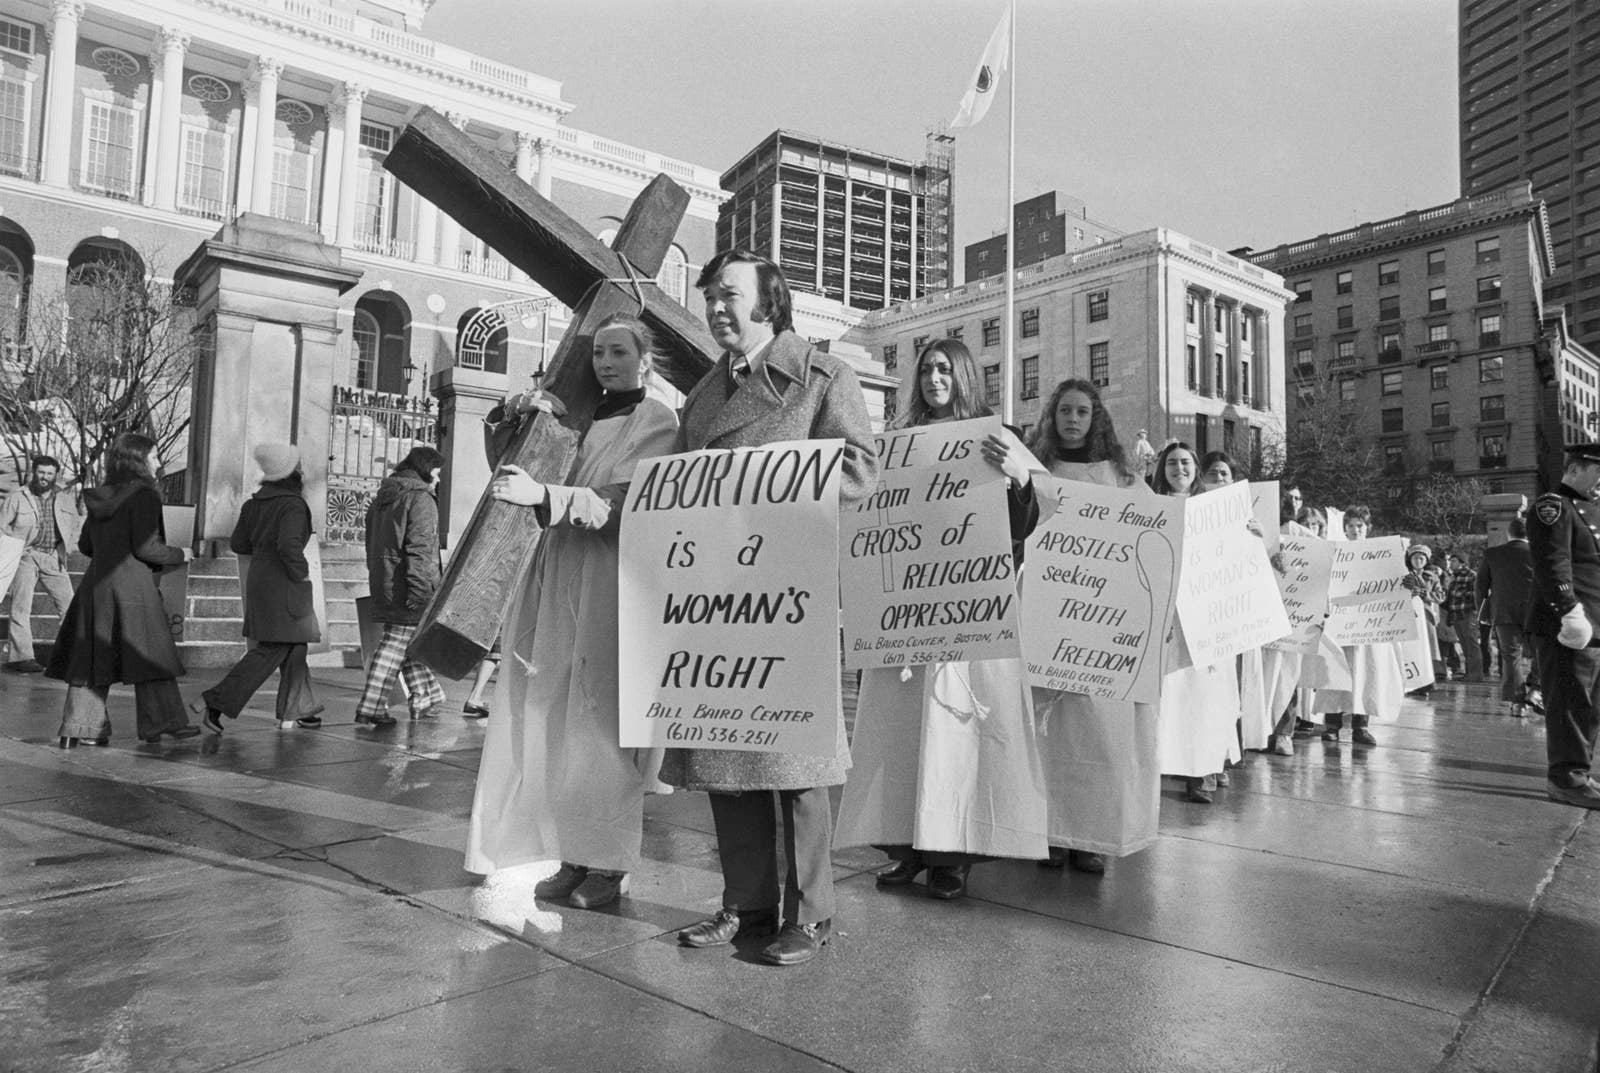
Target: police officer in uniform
point(1564, 538)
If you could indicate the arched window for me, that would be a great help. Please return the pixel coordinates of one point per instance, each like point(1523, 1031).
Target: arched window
point(13, 286)
point(364, 333)
point(673, 275)
point(481, 341)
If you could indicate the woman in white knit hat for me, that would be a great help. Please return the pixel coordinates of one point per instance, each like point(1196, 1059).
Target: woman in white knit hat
point(274, 529)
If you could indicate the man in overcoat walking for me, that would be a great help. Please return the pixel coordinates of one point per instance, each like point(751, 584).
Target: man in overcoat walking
point(1506, 581)
point(770, 385)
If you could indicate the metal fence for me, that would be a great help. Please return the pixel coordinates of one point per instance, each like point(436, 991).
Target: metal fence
point(371, 432)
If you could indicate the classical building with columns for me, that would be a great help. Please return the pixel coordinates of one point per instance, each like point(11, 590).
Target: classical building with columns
point(1183, 340)
point(133, 130)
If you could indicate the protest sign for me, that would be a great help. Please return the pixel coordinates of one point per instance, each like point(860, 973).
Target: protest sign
point(1416, 662)
point(1097, 592)
point(1370, 605)
point(925, 560)
point(1335, 523)
point(1264, 503)
point(728, 600)
point(1228, 599)
point(1303, 587)
point(173, 581)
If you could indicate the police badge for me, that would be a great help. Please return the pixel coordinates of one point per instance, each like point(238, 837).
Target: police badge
point(1548, 511)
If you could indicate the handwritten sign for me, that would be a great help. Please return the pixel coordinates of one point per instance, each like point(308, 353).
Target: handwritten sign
point(1416, 662)
point(1335, 524)
point(1227, 599)
point(729, 600)
point(926, 558)
point(1265, 502)
point(173, 581)
point(1303, 587)
point(1097, 592)
point(1370, 604)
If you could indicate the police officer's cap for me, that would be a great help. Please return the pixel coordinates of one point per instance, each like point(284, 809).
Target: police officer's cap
point(1583, 452)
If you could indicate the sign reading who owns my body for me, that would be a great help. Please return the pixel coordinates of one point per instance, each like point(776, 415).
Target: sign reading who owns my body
point(729, 600)
point(926, 558)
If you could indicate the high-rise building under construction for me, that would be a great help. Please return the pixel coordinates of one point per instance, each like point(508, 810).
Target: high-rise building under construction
point(859, 227)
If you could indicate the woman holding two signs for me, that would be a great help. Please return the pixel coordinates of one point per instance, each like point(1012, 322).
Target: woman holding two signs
point(947, 769)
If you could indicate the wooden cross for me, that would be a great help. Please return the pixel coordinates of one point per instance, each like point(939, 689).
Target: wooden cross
point(440, 163)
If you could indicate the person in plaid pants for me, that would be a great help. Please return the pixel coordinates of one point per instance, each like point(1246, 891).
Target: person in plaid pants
point(1461, 604)
point(403, 574)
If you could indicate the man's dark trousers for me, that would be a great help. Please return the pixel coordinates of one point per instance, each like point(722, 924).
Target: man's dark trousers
point(1571, 682)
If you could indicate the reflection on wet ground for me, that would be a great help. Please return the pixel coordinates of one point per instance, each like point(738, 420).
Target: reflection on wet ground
point(294, 900)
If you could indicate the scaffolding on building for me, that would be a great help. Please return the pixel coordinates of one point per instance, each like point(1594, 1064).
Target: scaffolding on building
point(938, 212)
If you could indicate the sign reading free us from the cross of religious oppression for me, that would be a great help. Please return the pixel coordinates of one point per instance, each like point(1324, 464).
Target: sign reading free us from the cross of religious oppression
point(926, 558)
point(728, 600)
point(1098, 587)
point(1228, 599)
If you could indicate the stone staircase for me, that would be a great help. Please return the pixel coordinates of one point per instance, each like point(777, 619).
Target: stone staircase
point(214, 615)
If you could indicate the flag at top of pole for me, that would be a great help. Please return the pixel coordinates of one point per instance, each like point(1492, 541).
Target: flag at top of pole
point(981, 90)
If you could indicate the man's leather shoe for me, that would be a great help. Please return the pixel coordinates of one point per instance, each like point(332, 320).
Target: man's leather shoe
point(25, 666)
point(797, 944)
point(948, 882)
point(729, 925)
point(1082, 860)
point(902, 873)
point(1584, 796)
point(1363, 736)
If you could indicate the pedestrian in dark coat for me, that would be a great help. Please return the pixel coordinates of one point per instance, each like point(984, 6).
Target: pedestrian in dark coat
point(402, 574)
point(116, 629)
point(770, 385)
point(1506, 582)
point(274, 529)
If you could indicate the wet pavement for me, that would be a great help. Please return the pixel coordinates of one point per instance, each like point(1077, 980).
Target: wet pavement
point(294, 900)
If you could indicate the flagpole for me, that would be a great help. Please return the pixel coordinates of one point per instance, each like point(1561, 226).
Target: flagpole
point(1006, 369)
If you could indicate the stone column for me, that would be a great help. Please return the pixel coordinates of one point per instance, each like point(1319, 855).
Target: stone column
point(465, 397)
point(527, 142)
point(1208, 343)
point(271, 290)
point(332, 168)
point(427, 231)
point(167, 147)
point(350, 101)
point(247, 148)
point(546, 154)
point(1498, 509)
point(61, 92)
point(449, 230)
point(267, 71)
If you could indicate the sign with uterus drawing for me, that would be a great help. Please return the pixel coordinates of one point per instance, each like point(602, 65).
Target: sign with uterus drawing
point(1098, 588)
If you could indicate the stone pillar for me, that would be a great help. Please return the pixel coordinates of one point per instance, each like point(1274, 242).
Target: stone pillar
point(167, 147)
point(271, 289)
point(350, 101)
point(526, 142)
point(427, 231)
point(465, 397)
point(1498, 510)
point(247, 148)
point(332, 161)
point(546, 154)
point(61, 92)
point(267, 71)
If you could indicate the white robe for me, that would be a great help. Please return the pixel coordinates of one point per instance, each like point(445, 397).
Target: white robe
point(552, 782)
point(1102, 777)
point(946, 761)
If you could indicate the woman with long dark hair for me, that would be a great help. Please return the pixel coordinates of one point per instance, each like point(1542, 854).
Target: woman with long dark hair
point(1101, 777)
point(1199, 704)
point(946, 762)
point(116, 628)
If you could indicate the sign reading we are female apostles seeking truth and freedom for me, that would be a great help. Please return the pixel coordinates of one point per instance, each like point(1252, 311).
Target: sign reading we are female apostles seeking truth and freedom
point(926, 558)
point(728, 600)
point(1098, 586)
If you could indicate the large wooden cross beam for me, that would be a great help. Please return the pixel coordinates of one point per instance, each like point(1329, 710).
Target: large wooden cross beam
point(440, 163)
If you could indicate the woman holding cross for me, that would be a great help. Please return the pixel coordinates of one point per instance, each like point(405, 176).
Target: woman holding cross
point(553, 784)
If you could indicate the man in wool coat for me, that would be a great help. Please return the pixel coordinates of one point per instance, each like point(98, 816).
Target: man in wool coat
point(770, 385)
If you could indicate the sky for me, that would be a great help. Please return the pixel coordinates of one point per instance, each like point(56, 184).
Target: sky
point(1236, 122)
